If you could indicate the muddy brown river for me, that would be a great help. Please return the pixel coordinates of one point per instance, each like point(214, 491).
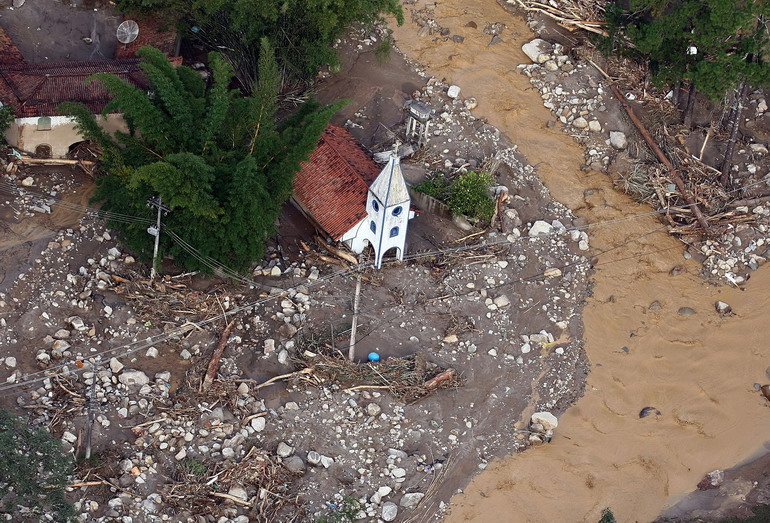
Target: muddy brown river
point(697, 370)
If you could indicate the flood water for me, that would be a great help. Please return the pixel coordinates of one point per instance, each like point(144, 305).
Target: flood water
point(698, 370)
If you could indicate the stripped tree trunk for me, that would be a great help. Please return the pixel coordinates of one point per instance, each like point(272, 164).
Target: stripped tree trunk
point(676, 95)
point(687, 119)
point(735, 124)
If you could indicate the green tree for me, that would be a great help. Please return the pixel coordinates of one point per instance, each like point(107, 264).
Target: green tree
point(219, 160)
point(6, 119)
point(34, 471)
point(302, 31)
point(725, 38)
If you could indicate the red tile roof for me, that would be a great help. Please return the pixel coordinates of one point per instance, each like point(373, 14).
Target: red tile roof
point(9, 53)
point(331, 186)
point(38, 89)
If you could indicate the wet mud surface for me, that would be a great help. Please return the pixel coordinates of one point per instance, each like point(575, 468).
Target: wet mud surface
point(697, 370)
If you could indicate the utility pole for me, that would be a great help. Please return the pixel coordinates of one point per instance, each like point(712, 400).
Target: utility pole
point(155, 231)
point(91, 418)
point(351, 350)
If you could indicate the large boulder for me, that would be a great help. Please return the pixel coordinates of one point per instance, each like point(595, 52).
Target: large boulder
point(546, 419)
point(540, 228)
point(133, 378)
point(535, 48)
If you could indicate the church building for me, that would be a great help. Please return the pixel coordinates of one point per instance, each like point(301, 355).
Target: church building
point(348, 197)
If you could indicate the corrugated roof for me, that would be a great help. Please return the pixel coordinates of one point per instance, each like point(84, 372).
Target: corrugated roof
point(332, 185)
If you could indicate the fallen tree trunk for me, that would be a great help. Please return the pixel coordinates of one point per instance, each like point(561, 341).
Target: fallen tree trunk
point(438, 380)
point(662, 157)
point(339, 253)
point(213, 367)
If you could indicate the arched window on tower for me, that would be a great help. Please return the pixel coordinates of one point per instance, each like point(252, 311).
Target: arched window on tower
point(373, 226)
point(375, 206)
point(394, 232)
point(397, 210)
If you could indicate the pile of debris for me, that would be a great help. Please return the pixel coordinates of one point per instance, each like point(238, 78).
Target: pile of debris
point(738, 225)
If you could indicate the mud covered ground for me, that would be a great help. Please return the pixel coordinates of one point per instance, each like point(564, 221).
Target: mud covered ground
point(84, 330)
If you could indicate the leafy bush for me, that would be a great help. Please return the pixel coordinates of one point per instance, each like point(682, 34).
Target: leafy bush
point(437, 186)
point(469, 195)
point(6, 119)
point(33, 470)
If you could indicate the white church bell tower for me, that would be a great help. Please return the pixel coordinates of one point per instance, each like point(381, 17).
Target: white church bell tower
point(387, 207)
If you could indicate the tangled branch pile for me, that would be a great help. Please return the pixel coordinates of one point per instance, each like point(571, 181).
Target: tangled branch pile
point(204, 490)
point(409, 379)
point(571, 14)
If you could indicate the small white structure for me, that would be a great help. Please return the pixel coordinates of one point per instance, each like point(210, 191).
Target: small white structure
point(343, 192)
point(418, 121)
point(388, 214)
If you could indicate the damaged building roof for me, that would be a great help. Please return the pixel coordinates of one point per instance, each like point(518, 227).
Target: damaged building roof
point(332, 185)
point(34, 88)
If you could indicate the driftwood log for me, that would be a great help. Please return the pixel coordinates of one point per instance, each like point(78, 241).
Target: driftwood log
point(213, 367)
point(662, 157)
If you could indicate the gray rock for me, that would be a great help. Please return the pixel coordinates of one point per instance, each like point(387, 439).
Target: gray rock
point(133, 378)
point(313, 457)
point(389, 511)
point(258, 424)
point(243, 389)
point(546, 419)
point(60, 346)
point(284, 450)
point(115, 365)
point(238, 492)
point(510, 220)
point(294, 464)
point(535, 48)
point(540, 228)
point(61, 334)
point(618, 140)
point(28, 181)
point(373, 409)
point(77, 323)
point(411, 500)
point(502, 301)
point(723, 308)
point(580, 123)
point(228, 452)
point(152, 352)
point(594, 126)
point(686, 311)
point(453, 91)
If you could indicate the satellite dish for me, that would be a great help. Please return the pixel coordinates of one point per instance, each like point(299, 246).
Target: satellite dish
point(127, 31)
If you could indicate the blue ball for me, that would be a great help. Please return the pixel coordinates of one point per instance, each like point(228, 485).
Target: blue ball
point(374, 357)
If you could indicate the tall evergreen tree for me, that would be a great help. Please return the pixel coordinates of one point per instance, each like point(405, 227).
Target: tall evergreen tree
point(219, 160)
point(714, 44)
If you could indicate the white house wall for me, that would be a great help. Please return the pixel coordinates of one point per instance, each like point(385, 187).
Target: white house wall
point(23, 133)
